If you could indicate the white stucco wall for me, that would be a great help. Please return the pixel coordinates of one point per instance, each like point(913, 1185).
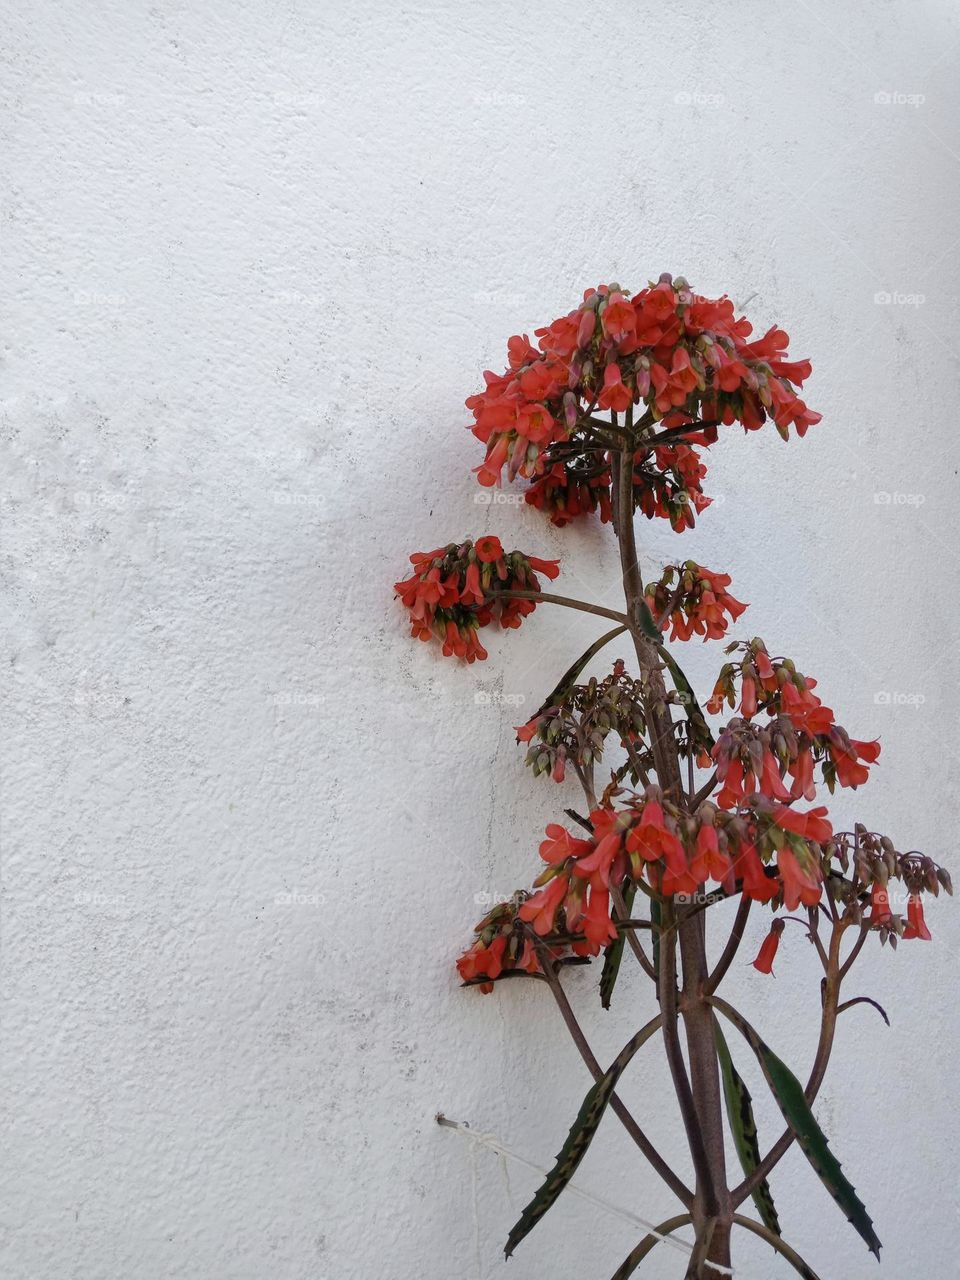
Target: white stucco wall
point(254, 258)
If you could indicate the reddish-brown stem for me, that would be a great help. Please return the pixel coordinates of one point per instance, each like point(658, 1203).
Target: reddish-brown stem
point(679, 1188)
point(704, 791)
point(828, 1024)
point(730, 950)
point(854, 951)
point(699, 1093)
point(633, 942)
point(547, 597)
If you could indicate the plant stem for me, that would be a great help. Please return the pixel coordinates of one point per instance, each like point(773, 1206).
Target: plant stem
point(779, 1244)
point(684, 1194)
point(730, 950)
point(547, 597)
point(828, 1024)
point(699, 1094)
point(632, 940)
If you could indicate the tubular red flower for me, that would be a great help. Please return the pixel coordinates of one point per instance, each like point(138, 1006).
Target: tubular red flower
point(708, 862)
point(812, 825)
point(614, 395)
point(541, 909)
point(800, 883)
point(916, 925)
point(488, 549)
point(748, 868)
point(880, 912)
point(768, 948)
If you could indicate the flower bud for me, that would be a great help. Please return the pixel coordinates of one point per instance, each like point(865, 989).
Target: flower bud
point(585, 330)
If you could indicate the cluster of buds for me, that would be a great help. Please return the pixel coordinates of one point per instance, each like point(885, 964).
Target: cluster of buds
point(572, 486)
point(459, 588)
point(575, 727)
point(692, 600)
point(768, 684)
point(873, 862)
point(668, 481)
point(682, 357)
point(799, 734)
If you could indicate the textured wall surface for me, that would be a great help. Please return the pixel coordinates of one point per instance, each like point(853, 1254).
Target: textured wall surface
point(254, 258)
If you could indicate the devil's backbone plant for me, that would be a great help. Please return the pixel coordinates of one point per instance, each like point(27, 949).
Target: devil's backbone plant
point(609, 413)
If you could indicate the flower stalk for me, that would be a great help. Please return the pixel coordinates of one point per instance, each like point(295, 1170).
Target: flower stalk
point(695, 812)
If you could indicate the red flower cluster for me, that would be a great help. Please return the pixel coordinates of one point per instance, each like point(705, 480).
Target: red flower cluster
point(456, 590)
point(500, 945)
point(676, 853)
point(769, 852)
point(682, 357)
point(567, 489)
point(800, 733)
point(669, 482)
point(575, 728)
point(692, 600)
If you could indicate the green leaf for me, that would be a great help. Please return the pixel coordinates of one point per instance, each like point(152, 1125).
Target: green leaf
point(788, 1091)
point(656, 919)
point(647, 624)
point(569, 677)
point(614, 953)
point(690, 704)
point(578, 1139)
point(739, 1106)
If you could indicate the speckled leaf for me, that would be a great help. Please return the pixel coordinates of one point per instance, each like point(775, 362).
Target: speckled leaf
point(647, 624)
point(739, 1106)
point(690, 704)
point(569, 677)
point(578, 1140)
point(614, 953)
point(655, 919)
point(811, 1139)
